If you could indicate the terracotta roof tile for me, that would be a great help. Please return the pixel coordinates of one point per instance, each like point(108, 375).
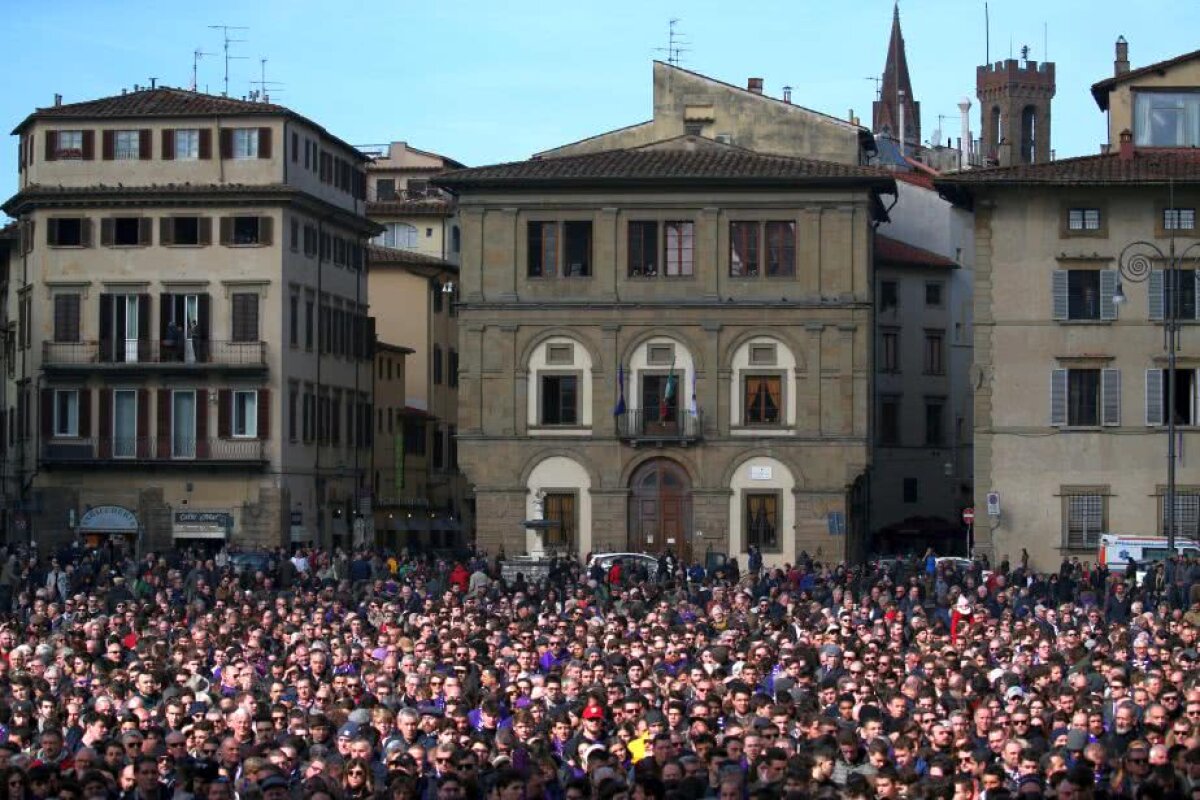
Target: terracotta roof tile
point(898, 253)
point(1151, 166)
point(686, 160)
point(1100, 89)
point(383, 256)
point(419, 207)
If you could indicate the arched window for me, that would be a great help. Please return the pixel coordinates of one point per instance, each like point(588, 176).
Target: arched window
point(1029, 132)
point(399, 235)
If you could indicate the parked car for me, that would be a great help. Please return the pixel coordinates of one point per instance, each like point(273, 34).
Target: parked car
point(250, 562)
point(644, 560)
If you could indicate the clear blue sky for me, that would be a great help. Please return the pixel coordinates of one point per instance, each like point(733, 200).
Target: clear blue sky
point(495, 81)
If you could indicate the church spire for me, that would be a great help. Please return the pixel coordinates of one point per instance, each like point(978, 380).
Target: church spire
point(886, 108)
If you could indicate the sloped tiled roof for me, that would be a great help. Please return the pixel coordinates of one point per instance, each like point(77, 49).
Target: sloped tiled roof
point(1149, 166)
point(166, 102)
point(387, 256)
point(686, 159)
point(1100, 89)
point(427, 207)
point(901, 254)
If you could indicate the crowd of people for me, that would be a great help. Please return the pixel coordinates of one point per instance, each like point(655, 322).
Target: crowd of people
point(376, 676)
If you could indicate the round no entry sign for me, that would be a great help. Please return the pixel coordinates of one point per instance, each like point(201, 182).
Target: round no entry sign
point(968, 516)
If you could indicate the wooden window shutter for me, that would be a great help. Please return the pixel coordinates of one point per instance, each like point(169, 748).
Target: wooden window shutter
point(295, 147)
point(226, 230)
point(168, 144)
point(203, 448)
point(226, 143)
point(145, 144)
point(47, 414)
point(166, 314)
point(204, 315)
point(143, 423)
point(51, 145)
point(266, 227)
point(105, 427)
point(85, 413)
point(1060, 307)
point(1110, 396)
point(106, 325)
point(163, 423)
point(1154, 397)
point(205, 147)
point(205, 230)
point(224, 414)
point(1058, 397)
point(146, 231)
point(264, 142)
point(143, 317)
point(89, 145)
point(264, 413)
point(52, 231)
point(108, 145)
point(1155, 294)
point(166, 230)
point(85, 232)
point(106, 232)
point(1108, 288)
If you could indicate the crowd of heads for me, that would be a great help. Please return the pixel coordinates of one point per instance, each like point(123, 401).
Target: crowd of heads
point(316, 675)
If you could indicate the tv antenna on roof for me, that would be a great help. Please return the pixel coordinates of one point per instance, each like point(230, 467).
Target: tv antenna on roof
point(265, 87)
point(674, 42)
point(878, 81)
point(225, 29)
point(197, 54)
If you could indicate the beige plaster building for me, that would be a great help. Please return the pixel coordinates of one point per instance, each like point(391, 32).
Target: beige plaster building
point(414, 274)
point(667, 348)
point(1070, 403)
point(189, 297)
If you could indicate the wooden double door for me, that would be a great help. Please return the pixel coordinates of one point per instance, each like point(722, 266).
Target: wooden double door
point(660, 509)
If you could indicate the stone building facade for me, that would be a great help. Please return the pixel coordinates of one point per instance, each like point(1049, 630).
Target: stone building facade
point(667, 348)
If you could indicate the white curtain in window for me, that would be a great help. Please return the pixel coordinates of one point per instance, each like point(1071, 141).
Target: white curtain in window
point(124, 423)
point(183, 425)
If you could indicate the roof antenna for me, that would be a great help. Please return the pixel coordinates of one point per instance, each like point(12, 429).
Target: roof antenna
point(197, 54)
point(264, 85)
point(225, 29)
point(674, 49)
point(878, 81)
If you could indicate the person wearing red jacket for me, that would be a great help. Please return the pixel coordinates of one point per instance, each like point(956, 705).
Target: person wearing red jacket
point(460, 578)
point(960, 617)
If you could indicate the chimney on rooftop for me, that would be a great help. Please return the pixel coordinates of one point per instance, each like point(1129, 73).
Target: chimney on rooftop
point(58, 99)
point(787, 94)
point(755, 85)
point(1126, 152)
point(1121, 64)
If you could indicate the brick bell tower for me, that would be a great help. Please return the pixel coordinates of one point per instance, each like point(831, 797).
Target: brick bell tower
point(1014, 107)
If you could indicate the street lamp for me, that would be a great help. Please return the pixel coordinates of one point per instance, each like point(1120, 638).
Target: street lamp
point(1136, 265)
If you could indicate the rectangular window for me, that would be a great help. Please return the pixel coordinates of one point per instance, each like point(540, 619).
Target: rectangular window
point(1083, 397)
point(1183, 403)
point(414, 437)
point(1083, 294)
point(66, 412)
point(244, 308)
point(66, 317)
point(126, 145)
point(185, 230)
point(643, 249)
point(1166, 119)
point(577, 249)
point(657, 403)
point(245, 142)
point(743, 249)
point(439, 450)
point(889, 420)
point(245, 414)
point(781, 249)
point(385, 189)
point(543, 250)
point(1185, 307)
point(762, 521)
point(933, 294)
point(1083, 219)
point(1086, 518)
point(293, 401)
point(125, 231)
point(66, 232)
point(187, 144)
point(558, 509)
point(437, 364)
point(1179, 219)
point(560, 400)
point(889, 296)
point(246, 230)
point(763, 399)
point(183, 424)
point(452, 368)
point(911, 491)
point(935, 352)
point(935, 423)
point(1187, 514)
point(309, 324)
point(679, 244)
point(889, 350)
point(70, 145)
point(125, 423)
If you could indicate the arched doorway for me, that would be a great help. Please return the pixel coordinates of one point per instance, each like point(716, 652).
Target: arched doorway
point(660, 509)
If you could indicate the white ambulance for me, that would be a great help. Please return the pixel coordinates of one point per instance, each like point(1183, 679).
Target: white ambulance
point(1117, 548)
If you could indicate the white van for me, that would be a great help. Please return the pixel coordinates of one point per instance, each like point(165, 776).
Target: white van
point(1117, 548)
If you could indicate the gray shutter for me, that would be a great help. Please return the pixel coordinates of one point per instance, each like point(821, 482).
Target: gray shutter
point(1156, 294)
point(1108, 287)
point(1110, 396)
point(1058, 285)
point(1058, 397)
point(1154, 397)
